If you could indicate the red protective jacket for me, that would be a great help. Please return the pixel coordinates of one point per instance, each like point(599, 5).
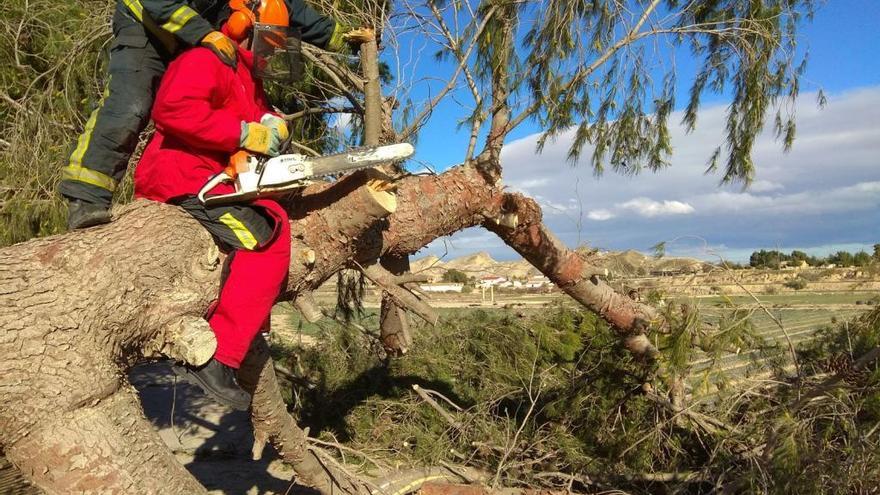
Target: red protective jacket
point(198, 113)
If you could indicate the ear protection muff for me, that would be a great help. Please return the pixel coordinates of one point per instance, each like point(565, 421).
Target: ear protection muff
point(241, 21)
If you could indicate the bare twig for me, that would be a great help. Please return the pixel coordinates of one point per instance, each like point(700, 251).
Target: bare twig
point(446, 399)
point(453, 80)
point(708, 423)
point(832, 382)
point(339, 446)
point(773, 317)
point(533, 401)
point(431, 402)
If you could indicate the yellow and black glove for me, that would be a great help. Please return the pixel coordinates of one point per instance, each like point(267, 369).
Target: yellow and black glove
point(225, 49)
point(260, 138)
point(277, 124)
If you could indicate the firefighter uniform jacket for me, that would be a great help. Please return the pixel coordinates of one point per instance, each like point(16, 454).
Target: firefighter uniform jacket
point(191, 20)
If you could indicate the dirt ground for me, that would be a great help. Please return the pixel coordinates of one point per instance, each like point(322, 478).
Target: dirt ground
point(212, 441)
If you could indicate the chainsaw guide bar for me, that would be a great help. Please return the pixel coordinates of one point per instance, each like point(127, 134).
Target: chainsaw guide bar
point(283, 173)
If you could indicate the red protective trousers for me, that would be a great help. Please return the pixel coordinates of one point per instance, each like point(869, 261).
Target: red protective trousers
point(249, 292)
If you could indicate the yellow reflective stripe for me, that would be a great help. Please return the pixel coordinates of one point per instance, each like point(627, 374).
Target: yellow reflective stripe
point(244, 235)
point(136, 8)
point(82, 174)
point(73, 169)
point(179, 19)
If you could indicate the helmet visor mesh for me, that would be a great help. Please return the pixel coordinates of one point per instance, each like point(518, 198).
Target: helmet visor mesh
point(277, 53)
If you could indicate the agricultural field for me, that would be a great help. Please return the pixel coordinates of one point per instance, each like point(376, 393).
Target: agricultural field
point(776, 321)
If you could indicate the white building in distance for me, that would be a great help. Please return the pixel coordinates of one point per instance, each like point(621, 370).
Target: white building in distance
point(537, 282)
point(442, 287)
point(491, 280)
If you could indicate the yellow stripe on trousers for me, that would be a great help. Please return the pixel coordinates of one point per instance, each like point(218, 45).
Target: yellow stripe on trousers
point(82, 174)
point(75, 169)
point(244, 235)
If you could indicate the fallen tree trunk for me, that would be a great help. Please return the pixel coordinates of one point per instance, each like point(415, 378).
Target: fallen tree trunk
point(78, 310)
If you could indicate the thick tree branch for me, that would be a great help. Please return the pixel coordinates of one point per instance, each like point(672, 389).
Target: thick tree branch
point(571, 273)
point(272, 423)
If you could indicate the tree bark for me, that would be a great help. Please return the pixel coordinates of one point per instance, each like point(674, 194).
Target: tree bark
point(393, 320)
point(570, 272)
point(79, 309)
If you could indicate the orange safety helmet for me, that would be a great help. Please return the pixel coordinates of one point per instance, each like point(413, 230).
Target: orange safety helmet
point(243, 18)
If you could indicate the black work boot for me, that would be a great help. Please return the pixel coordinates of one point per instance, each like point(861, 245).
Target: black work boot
point(81, 215)
point(218, 381)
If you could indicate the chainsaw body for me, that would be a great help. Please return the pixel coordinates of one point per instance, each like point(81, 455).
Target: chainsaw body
point(255, 177)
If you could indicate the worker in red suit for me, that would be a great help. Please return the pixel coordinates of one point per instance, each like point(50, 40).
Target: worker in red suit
point(204, 112)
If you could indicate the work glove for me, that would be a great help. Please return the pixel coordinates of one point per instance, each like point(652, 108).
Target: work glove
point(277, 124)
point(344, 34)
point(260, 138)
point(225, 49)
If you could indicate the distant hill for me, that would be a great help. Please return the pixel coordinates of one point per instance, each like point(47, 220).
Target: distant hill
point(633, 263)
point(620, 264)
point(475, 265)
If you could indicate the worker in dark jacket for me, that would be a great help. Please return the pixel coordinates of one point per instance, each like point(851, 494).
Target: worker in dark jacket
point(147, 34)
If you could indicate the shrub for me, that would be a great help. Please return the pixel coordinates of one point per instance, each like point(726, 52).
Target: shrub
point(455, 276)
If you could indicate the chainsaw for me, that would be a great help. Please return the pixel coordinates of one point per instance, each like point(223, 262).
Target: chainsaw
point(257, 177)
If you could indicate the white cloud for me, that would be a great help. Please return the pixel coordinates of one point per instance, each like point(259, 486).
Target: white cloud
point(553, 207)
point(864, 195)
point(341, 122)
point(760, 186)
point(600, 215)
point(529, 183)
point(649, 208)
point(823, 192)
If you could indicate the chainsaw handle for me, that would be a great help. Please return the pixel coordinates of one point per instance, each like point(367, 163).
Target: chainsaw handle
point(212, 183)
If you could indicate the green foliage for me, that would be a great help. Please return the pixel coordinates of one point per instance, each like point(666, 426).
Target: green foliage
point(577, 396)
point(774, 259)
point(44, 102)
point(455, 276)
point(796, 283)
point(841, 258)
point(862, 259)
point(590, 69)
point(494, 366)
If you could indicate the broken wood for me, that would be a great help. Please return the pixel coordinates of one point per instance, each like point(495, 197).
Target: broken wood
point(393, 320)
point(190, 340)
point(308, 308)
point(402, 297)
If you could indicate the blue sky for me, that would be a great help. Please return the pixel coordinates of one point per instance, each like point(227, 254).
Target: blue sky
point(820, 197)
